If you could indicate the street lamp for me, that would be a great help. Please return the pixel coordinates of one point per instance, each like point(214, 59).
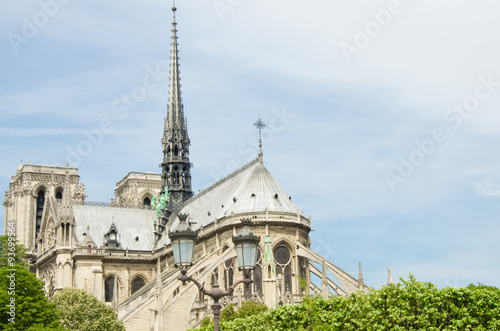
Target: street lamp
point(183, 239)
point(245, 242)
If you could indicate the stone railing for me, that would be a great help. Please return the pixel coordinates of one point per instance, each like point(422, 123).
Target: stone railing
point(112, 253)
point(111, 205)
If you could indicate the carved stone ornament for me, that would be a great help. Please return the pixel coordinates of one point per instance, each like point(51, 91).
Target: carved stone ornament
point(79, 194)
point(50, 237)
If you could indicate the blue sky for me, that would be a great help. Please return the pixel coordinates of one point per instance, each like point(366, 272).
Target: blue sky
point(383, 119)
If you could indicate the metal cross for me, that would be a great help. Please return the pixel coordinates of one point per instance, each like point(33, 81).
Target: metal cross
point(260, 125)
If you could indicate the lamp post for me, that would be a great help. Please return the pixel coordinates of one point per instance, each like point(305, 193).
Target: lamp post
point(183, 239)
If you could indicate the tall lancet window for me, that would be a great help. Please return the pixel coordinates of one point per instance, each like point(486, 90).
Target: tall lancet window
point(40, 201)
point(110, 284)
point(228, 273)
point(256, 286)
point(283, 260)
point(137, 283)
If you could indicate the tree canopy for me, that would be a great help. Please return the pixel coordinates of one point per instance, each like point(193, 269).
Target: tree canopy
point(11, 253)
point(408, 305)
point(82, 311)
point(248, 308)
point(23, 304)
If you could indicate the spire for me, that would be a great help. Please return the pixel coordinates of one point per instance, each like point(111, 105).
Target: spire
point(175, 111)
point(361, 281)
point(176, 168)
point(389, 278)
point(260, 125)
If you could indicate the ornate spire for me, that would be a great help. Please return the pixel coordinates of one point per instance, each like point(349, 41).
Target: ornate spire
point(260, 125)
point(268, 264)
point(175, 109)
point(176, 168)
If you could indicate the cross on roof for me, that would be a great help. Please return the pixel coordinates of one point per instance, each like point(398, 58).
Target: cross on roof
point(260, 125)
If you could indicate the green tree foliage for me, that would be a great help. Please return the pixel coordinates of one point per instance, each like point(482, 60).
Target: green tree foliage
point(248, 308)
point(408, 305)
point(30, 310)
point(206, 321)
point(228, 313)
point(303, 284)
point(11, 253)
point(83, 312)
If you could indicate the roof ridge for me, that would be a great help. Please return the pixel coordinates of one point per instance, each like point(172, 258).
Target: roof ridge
point(221, 181)
point(110, 205)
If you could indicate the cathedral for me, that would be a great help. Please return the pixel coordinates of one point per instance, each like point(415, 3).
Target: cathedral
point(121, 253)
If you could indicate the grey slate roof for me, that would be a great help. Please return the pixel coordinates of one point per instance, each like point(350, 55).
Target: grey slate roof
point(130, 223)
point(250, 189)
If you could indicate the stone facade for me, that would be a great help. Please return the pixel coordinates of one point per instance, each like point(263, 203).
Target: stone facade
point(137, 275)
point(31, 191)
point(137, 188)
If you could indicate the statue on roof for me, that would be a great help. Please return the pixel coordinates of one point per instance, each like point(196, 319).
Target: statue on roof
point(160, 203)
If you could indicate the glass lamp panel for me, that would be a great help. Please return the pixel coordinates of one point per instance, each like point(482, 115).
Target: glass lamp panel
point(186, 250)
point(249, 255)
point(239, 254)
point(175, 250)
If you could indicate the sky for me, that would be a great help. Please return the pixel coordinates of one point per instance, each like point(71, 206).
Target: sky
point(382, 116)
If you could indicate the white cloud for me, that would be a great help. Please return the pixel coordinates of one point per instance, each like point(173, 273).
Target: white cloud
point(487, 189)
point(35, 132)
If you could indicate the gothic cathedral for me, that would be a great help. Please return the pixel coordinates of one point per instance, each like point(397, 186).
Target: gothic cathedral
point(120, 251)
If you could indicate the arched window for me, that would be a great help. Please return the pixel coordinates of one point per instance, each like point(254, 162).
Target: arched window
point(288, 279)
point(257, 278)
point(147, 201)
point(228, 273)
point(109, 287)
point(59, 194)
point(215, 276)
point(137, 283)
point(40, 201)
point(303, 269)
point(256, 286)
point(175, 180)
point(283, 260)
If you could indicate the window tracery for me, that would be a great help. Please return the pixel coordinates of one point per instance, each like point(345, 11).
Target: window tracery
point(283, 260)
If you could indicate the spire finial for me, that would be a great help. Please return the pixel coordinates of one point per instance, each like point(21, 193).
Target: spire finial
point(260, 125)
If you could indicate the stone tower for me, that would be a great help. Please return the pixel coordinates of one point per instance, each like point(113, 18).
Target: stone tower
point(31, 192)
point(176, 168)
